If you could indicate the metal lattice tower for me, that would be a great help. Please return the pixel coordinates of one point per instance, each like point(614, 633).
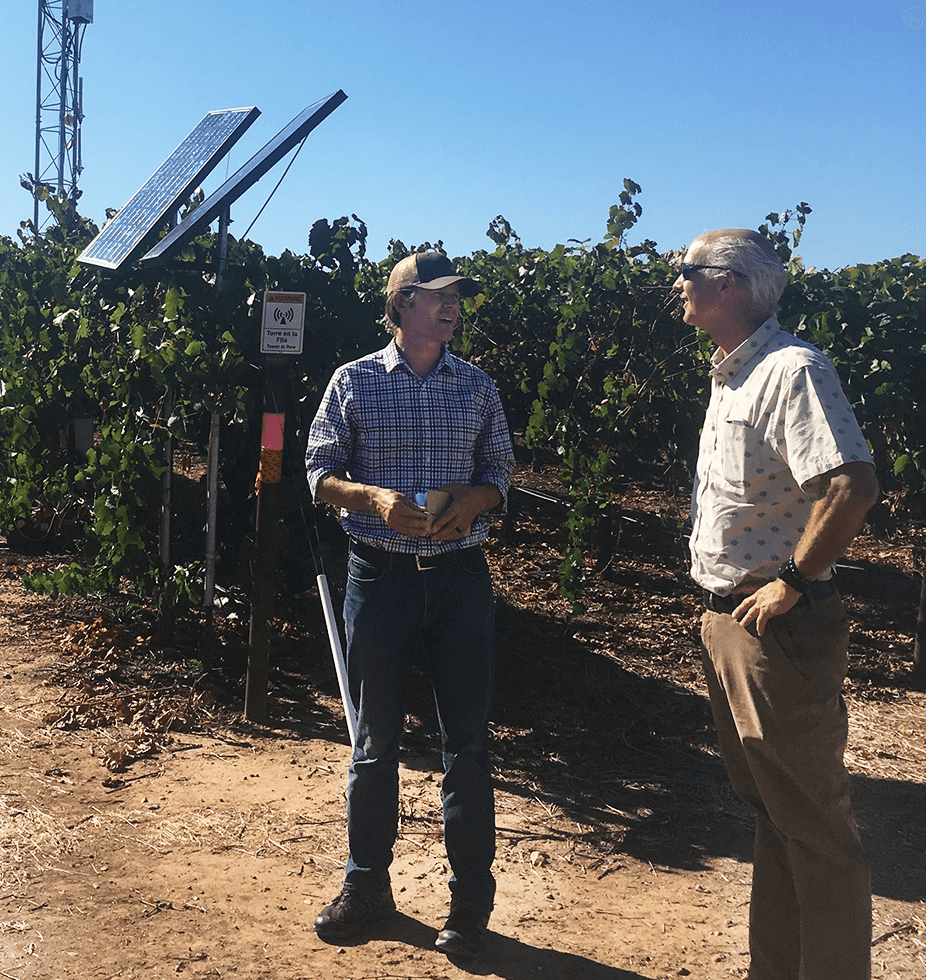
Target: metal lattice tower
point(59, 96)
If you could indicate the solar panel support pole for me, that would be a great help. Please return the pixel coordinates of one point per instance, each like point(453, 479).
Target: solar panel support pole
point(212, 490)
point(212, 473)
point(166, 613)
point(167, 480)
point(167, 487)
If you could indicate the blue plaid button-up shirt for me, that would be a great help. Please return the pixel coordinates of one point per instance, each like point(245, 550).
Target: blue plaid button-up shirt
point(382, 425)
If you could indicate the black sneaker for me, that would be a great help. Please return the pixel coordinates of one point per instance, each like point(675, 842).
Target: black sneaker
point(353, 911)
point(464, 932)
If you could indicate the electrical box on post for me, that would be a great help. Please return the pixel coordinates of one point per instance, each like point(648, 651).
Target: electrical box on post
point(80, 11)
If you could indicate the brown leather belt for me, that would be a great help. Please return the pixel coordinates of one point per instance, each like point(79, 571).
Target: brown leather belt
point(398, 559)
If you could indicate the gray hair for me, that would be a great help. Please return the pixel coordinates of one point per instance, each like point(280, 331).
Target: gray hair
point(755, 257)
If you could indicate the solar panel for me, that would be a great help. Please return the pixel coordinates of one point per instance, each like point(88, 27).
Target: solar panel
point(245, 177)
point(131, 231)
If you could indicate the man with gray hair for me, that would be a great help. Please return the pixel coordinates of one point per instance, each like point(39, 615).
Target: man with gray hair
point(784, 480)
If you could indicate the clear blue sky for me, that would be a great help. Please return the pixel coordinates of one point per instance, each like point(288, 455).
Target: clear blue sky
point(533, 109)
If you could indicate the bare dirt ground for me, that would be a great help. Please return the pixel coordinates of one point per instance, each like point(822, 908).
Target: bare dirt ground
point(147, 830)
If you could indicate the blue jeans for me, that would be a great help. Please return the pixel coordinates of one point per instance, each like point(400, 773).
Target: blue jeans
point(391, 607)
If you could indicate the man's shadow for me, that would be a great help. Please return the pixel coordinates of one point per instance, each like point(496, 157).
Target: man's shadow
point(501, 957)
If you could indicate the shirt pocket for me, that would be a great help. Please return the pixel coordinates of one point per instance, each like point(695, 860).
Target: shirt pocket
point(388, 434)
point(459, 422)
point(743, 453)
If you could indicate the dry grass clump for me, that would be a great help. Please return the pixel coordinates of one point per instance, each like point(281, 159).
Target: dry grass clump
point(252, 830)
point(30, 840)
point(887, 740)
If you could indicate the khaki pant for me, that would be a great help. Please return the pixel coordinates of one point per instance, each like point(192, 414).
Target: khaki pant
point(781, 722)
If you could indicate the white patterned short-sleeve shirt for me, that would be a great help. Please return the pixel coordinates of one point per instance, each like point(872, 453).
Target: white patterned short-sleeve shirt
point(778, 420)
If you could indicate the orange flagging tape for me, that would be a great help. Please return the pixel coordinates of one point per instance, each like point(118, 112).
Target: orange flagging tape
point(271, 466)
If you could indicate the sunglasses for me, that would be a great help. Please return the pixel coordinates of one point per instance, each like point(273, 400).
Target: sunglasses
point(687, 269)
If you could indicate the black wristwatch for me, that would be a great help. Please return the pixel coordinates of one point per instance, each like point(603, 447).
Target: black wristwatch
point(789, 574)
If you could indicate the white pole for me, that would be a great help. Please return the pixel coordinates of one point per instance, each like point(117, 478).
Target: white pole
point(340, 666)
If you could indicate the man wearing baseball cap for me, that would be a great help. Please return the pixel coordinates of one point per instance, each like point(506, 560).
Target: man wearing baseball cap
point(392, 428)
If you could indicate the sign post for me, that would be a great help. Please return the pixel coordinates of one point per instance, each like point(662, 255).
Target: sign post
point(281, 339)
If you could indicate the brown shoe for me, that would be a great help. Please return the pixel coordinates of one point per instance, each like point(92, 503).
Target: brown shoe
point(464, 932)
point(353, 912)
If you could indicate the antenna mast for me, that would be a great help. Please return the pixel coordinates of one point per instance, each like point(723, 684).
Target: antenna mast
point(59, 109)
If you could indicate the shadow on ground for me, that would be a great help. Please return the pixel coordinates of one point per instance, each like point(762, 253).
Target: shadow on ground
point(891, 816)
point(629, 758)
point(502, 956)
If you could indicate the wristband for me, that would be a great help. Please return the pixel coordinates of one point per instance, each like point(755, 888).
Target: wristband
point(789, 574)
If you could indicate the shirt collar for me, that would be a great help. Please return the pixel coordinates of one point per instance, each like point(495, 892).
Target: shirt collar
point(392, 358)
point(726, 367)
